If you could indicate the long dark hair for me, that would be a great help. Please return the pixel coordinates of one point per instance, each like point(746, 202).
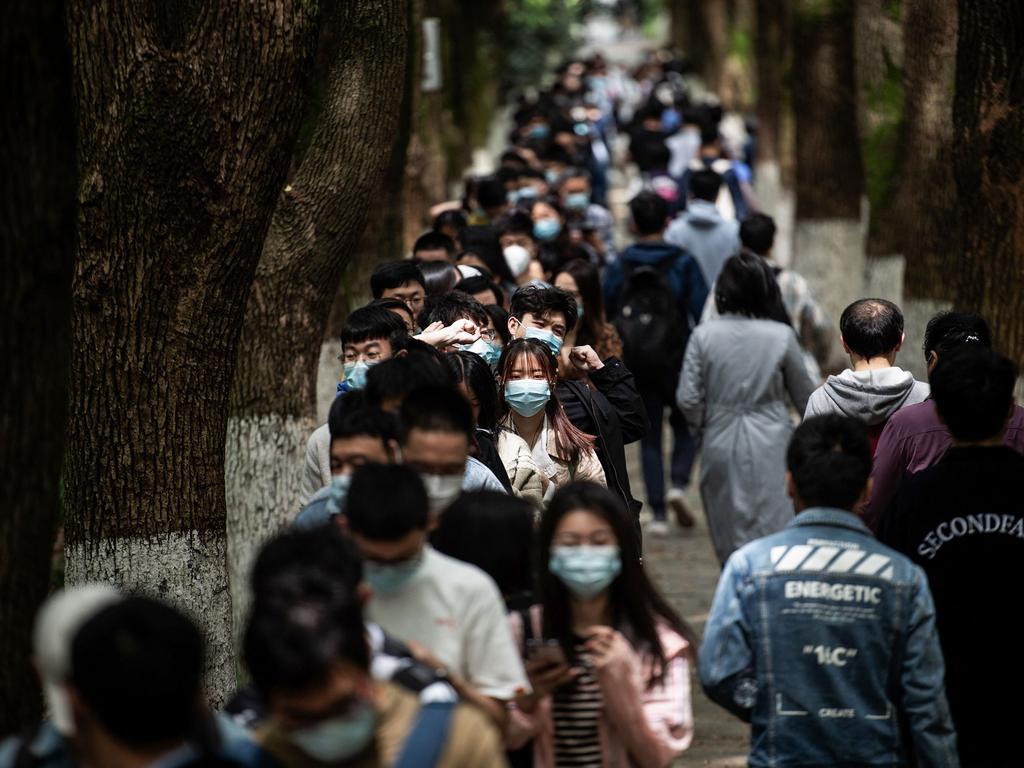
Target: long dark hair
point(635, 602)
point(588, 283)
point(747, 286)
point(569, 440)
point(471, 368)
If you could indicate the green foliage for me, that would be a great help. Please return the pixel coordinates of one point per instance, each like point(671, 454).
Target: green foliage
point(740, 45)
point(883, 140)
point(537, 34)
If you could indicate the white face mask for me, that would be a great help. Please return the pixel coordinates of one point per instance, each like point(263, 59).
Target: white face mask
point(442, 490)
point(517, 258)
point(339, 738)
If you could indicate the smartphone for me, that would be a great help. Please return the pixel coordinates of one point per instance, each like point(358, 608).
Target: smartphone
point(546, 650)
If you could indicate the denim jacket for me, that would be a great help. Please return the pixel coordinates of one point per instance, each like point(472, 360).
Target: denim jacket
point(824, 640)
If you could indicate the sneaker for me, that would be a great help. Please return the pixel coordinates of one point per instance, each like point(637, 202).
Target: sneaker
point(676, 502)
point(657, 528)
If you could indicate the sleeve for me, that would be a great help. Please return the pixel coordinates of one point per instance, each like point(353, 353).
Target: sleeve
point(590, 469)
point(492, 664)
point(815, 324)
point(710, 308)
point(690, 394)
point(312, 477)
point(668, 706)
point(695, 289)
point(922, 690)
point(616, 383)
point(523, 726)
point(794, 371)
point(613, 278)
point(727, 671)
point(887, 471)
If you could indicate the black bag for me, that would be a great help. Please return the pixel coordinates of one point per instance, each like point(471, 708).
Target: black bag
point(653, 333)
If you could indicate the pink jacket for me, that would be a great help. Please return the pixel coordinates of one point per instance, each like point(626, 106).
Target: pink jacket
point(639, 726)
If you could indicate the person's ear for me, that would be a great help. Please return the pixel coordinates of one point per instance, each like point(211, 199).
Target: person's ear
point(899, 346)
point(846, 348)
point(513, 325)
point(933, 360)
point(790, 485)
point(865, 494)
point(401, 353)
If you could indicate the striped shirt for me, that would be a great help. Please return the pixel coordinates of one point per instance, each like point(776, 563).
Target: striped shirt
point(576, 708)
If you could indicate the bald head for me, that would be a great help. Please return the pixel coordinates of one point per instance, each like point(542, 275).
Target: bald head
point(872, 328)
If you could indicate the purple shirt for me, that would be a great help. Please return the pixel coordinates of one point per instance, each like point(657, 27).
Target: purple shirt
point(914, 439)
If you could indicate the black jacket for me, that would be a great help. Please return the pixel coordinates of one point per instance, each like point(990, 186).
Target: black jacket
point(962, 521)
point(614, 412)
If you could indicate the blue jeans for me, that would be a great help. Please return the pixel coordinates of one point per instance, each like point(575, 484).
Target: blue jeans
point(684, 448)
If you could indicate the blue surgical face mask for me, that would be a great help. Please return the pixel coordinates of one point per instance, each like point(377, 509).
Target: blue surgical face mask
point(546, 229)
point(577, 201)
point(551, 176)
point(386, 579)
point(543, 334)
point(512, 197)
point(527, 397)
point(585, 571)
point(339, 493)
point(540, 131)
point(355, 374)
point(339, 738)
point(485, 349)
point(528, 193)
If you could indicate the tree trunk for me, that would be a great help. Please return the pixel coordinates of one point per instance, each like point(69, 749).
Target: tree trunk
point(828, 244)
point(771, 64)
point(187, 116)
point(318, 221)
point(988, 123)
point(37, 226)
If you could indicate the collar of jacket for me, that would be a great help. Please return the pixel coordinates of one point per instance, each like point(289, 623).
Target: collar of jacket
point(840, 518)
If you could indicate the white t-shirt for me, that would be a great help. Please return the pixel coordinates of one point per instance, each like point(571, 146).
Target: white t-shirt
point(455, 610)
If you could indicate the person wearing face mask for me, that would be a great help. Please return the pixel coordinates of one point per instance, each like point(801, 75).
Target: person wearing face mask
point(519, 247)
point(332, 690)
point(435, 437)
point(609, 664)
point(593, 222)
point(450, 613)
point(551, 234)
point(529, 407)
point(360, 433)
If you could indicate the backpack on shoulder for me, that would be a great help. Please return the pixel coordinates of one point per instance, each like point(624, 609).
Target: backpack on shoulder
point(653, 333)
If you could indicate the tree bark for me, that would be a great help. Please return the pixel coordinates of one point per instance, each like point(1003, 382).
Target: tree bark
point(317, 223)
point(187, 117)
point(37, 225)
point(771, 59)
point(829, 173)
point(988, 123)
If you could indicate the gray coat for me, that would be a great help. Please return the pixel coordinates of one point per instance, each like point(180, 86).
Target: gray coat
point(733, 391)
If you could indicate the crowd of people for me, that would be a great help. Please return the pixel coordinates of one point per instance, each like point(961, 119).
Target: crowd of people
point(464, 583)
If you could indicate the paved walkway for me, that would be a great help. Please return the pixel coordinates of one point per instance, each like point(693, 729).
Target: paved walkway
point(685, 568)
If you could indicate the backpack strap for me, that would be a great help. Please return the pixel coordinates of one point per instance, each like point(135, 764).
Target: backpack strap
point(425, 742)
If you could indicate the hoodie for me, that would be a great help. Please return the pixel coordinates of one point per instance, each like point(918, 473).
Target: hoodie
point(868, 396)
point(702, 231)
point(684, 277)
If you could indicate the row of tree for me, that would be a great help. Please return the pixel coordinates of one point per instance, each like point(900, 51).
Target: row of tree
point(912, 106)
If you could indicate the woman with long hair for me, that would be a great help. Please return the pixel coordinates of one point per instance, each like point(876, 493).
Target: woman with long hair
point(528, 405)
point(582, 280)
point(474, 380)
point(740, 373)
point(608, 658)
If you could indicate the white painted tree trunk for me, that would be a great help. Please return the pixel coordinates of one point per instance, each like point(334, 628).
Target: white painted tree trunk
point(186, 569)
point(777, 201)
point(327, 375)
point(263, 478)
point(916, 314)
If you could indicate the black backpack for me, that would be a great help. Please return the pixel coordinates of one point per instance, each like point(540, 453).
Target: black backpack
point(653, 333)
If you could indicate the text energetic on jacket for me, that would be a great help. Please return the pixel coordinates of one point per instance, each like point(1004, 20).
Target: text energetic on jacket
point(846, 593)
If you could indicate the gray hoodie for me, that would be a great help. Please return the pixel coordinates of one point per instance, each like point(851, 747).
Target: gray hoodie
point(868, 396)
point(701, 231)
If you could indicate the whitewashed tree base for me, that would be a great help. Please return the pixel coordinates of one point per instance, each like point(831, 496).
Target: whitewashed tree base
point(328, 374)
point(263, 482)
point(186, 569)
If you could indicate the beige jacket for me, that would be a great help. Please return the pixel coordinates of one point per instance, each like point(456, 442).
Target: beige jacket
point(586, 467)
point(520, 466)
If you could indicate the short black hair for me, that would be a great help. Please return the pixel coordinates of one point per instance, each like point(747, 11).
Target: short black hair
point(306, 613)
point(433, 241)
point(394, 379)
point(515, 222)
point(872, 327)
point(540, 301)
point(649, 212)
point(704, 185)
point(470, 368)
point(450, 307)
point(435, 409)
point(494, 532)
point(479, 284)
point(490, 192)
point(973, 390)
point(352, 416)
point(484, 242)
point(757, 233)
point(499, 317)
point(391, 304)
point(389, 275)
point(948, 330)
point(372, 322)
point(452, 218)
point(138, 667)
point(386, 502)
point(829, 459)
